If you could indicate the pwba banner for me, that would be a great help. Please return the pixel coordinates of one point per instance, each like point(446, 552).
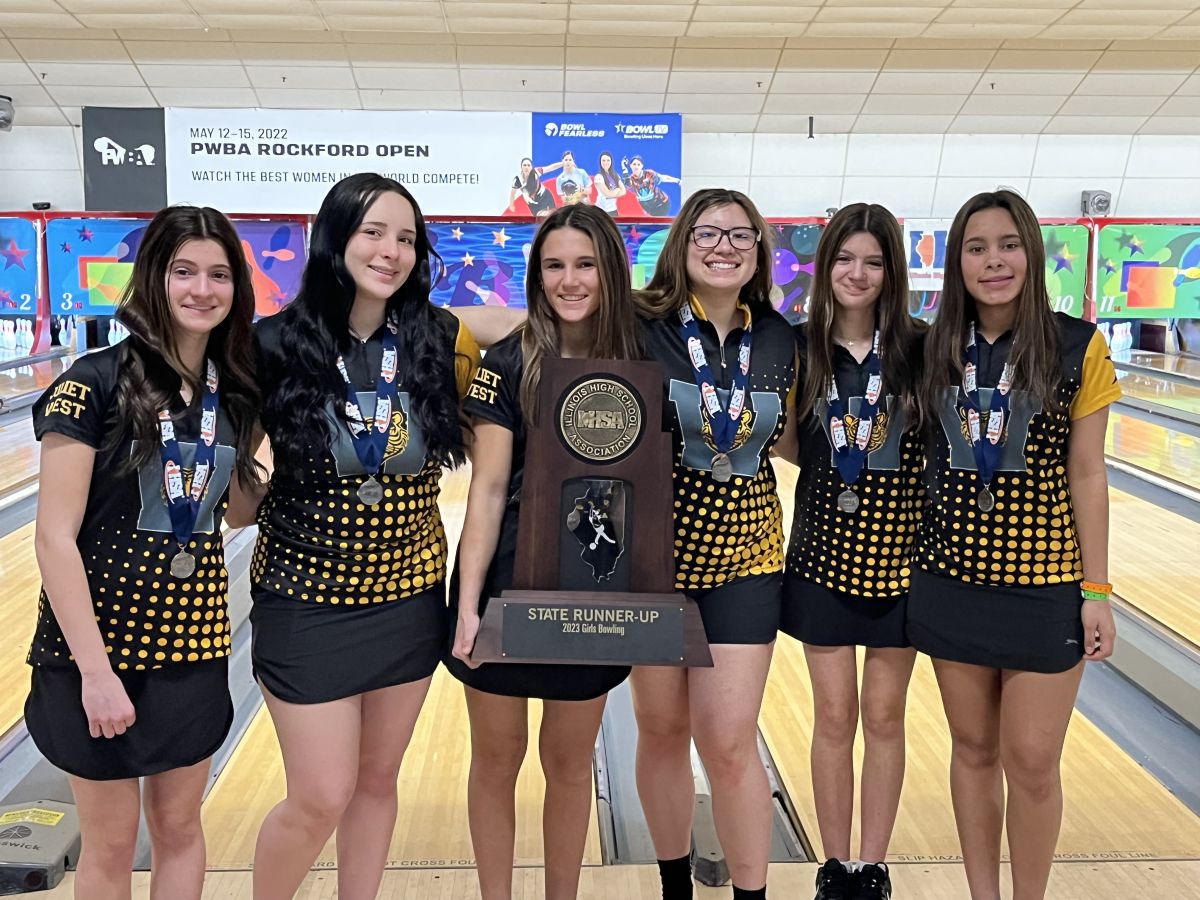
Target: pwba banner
point(455, 163)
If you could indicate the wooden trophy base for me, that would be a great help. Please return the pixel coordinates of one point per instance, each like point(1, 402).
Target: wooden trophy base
point(593, 628)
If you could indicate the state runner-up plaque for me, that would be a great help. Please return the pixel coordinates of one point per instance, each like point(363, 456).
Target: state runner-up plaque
point(594, 580)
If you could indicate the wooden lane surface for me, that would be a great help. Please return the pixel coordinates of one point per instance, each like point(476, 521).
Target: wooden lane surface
point(431, 829)
point(1159, 390)
point(18, 453)
point(1133, 816)
point(1152, 562)
point(1178, 880)
point(18, 613)
point(1157, 449)
point(1162, 362)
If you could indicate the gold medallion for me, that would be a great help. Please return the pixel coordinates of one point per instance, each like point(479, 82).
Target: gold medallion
point(600, 419)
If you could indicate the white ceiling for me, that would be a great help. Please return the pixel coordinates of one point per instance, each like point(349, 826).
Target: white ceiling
point(875, 66)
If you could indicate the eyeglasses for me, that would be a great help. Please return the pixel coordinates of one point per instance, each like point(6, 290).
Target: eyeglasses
point(707, 237)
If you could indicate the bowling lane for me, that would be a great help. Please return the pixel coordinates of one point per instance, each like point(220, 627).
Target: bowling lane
point(1187, 366)
point(1172, 394)
point(18, 453)
point(18, 613)
point(1133, 816)
point(17, 381)
point(1162, 451)
point(431, 827)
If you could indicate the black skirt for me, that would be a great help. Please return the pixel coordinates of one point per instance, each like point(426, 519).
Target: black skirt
point(743, 611)
point(307, 652)
point(825, 617)
point(1020, 628)
point(550, 681)
point(183, 711)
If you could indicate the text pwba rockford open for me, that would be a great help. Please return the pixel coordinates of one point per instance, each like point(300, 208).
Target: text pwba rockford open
point(231, 148)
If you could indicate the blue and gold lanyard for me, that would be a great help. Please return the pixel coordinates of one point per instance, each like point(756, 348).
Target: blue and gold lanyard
point(851, 454)
point(724, 422)
point(988, 447)
point(184, 505)
point(370, 441)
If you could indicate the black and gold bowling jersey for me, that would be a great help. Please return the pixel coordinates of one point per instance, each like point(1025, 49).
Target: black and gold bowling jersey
point(1029, 538)
point(495, 396)
point(726, 530)
point(147, 617)
point(317, 541)
point(865, 552)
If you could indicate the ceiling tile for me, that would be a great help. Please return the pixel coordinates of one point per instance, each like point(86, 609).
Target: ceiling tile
point(1051, 83)
point(1181, 106)
point(1161, 59)
point(401, 54)
point(1130, 83)
point(528, 57)
point(1045, 60)
point(40, 115)
point(507, 26)
point(925, 82)
point(747, 29)
point(618, 103)
point(415, 24)
point(864, 29)
point(167, 52)
point(424, 78)
point(1003, 15)
point(87, 95)
point(1127, 14)
point(543, 101)
point(13, 73)
point(311, 99)
point(1110, 106)
point(841, 43)
point(707, 60)
point(1171, 125)
point(618, 58)
point(626, 13)
point(832, 60)
point(121, 6)
point(110, 74)
point(519, 81)
point(925, 43)
point(1103, 32)
point(916, 105)
point(37, 20)
point(302, 78)
point(814, 104)
point(293, 54)
point(31, 94)
point(943, 30)
point(71, 51)
point(738, 81)
point(877, 15)
point(423, 39)
point(1191, 87)
point(141, 20)
point(586, 39)
point(178, 35)
point(1094, 124)
point(622, 83)
point(238, 21)
point(734, 104)
point(980, 104)
point(210, 97)
point(937, 60)
point(296, 36)
point(902, 124)
point(823, 82)
point(717, 123)
point(777, 15)
point(411, 99)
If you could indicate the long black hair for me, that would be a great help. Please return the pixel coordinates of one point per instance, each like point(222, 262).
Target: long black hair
point(151, 370)
point(316, 329)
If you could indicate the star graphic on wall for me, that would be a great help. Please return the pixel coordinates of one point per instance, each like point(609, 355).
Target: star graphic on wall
point(64, 247)
point(1063, 260)
point(456, 233)
point(499, 237)
point(1135, 246)
point(1110, 267)
point(1053, 246)
point(1124, 239)
point(85, 234)
point(14, 256)
point(468, 259)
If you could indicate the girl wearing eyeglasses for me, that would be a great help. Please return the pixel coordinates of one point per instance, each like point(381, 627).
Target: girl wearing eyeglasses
point(730, 372)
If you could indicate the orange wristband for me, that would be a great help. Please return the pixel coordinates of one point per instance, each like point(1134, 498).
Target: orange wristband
point(1097, 587)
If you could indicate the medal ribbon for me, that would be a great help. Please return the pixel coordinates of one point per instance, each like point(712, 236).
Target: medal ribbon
point(184, 506)
point(724, 421)
point(370, 443)
point(988, 447)
point(850, 452)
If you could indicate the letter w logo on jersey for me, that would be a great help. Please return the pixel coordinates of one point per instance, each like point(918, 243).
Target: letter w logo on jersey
point(1021, 412)
point(113, 154)
point(763, 410)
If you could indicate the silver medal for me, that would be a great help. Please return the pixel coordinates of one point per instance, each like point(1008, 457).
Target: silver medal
point(847, 501)
point(573, 519)
point(183, 564)
point(722, 468)
point(986, 500)
point(370, 491)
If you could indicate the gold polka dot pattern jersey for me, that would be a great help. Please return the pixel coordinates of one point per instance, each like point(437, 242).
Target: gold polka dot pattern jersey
point(318, 541)
point(148, 619)
point(864, 552)
point(724, 530)
point(1029, 538)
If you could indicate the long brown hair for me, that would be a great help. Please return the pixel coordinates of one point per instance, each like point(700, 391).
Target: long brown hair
point(615, 327)
point(1035, 362)
point(897, 329)
point(151, 369)
point(670, 288)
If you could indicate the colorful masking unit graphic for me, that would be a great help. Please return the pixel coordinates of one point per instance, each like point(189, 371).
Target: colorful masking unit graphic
point(485, 262)
point(1148, 272)
point(91, 261)
point(18, 267)
point(1066, 248)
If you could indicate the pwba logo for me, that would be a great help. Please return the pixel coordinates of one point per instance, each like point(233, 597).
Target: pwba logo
point(572, 129)
point(632, 130)
point(113, 154)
